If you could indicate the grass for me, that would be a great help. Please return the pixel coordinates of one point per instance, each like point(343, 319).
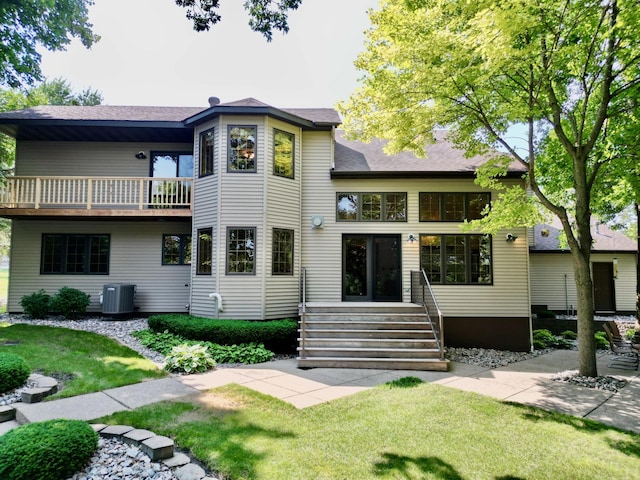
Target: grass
point(403, 430)
point(94, 361)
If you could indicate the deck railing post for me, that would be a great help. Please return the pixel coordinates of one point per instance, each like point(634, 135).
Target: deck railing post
point(36, 203)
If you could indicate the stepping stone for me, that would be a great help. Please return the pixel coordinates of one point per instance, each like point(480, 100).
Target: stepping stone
point(178, 460)
point(7, 414)
point(157, 448)
point(115, 431)
point(190, 472)
point(34, 395)
point(136, 436)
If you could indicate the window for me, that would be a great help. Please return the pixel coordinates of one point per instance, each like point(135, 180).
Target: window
point(283, 156)
point(457, 259)
point(282, 252)
point(206, 152)
point(204, 249)
point(371, 207)
point(176, 249)
point(241, 250)
point(452, 207)
point(241, 152)
point(75, 254)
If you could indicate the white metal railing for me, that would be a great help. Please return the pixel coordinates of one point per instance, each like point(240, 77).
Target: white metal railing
point(303, 313)
point(96, 192)
point(422, 294)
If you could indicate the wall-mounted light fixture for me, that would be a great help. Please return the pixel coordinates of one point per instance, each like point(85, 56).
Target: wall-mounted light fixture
point(411, 238)
point(511, 237)
point(615, 268)
point(317, 221)
point(141, 155)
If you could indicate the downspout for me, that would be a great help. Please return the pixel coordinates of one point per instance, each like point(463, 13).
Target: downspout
point(218, 299)
point(566, 296)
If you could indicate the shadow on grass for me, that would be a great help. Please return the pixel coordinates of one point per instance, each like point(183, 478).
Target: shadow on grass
point(415, 467)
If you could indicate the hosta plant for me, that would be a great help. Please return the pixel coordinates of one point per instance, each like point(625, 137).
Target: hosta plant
point(189, 359)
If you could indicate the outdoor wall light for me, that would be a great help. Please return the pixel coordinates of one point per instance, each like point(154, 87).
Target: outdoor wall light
point(411, 238)
point(141, 155)
point(317, 221)
point(511, 237)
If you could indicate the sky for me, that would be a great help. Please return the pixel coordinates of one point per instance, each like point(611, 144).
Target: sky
point(149, 54)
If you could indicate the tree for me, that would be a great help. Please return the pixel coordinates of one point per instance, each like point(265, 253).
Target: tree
point(26, 24)
point(565, 73)
point(264, 15)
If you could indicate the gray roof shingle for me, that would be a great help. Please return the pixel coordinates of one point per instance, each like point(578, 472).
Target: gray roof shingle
point(604, 238)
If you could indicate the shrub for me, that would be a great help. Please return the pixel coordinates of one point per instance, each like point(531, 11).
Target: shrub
point(630, 335)
point(546, 314)
point(50, 450)
point(70, 302)
point(543, 338)
point(14, 372)
point(569, 335)
point(602, 342)
point(37, 304)
point(190, 359)
point(276, 335)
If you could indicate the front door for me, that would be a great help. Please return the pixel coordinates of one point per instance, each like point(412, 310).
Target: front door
point(371, 268)
point(604, 297)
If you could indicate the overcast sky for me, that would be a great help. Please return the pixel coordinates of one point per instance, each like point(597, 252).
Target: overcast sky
point(149, 55)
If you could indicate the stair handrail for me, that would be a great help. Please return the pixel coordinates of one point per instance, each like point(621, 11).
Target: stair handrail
point(422, 294)
point(303, 311)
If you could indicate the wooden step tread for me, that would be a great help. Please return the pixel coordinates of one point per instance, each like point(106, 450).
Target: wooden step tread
point(366, 339)
point(368, 349)
point(362, 330)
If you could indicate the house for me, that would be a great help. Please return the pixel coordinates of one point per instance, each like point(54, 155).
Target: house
point(613, 269)
point(243, 210)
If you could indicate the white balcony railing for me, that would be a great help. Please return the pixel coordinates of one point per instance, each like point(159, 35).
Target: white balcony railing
point(98, 192)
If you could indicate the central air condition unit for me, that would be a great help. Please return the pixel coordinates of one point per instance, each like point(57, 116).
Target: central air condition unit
point(118, 298)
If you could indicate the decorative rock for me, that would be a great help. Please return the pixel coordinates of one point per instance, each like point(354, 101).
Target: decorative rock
point(190, 472)
point(158, 447)
point(7, 414)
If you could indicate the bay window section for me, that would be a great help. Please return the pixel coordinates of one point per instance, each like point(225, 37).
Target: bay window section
point(283, 153)
point(457, 259)
point(207, 146)
point(241, 250)
point(282, 252)
point(204, 248)
point(241, 149)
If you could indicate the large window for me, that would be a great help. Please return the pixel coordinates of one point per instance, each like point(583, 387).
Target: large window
point(207, 139)
point(282, 252)
point(241, 246)
point(457, 259)
point(371, 207)
point(241, 151)
point(452, 207)
point(283, 156)
point(204, 248)
point(75, 254)
point(176, 249)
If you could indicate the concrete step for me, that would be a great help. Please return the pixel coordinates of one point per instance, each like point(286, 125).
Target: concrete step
point(376, 363)
point(366, 333)
point(363, 352)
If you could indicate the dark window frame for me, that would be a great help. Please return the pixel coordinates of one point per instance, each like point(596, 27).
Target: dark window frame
point(184, 240)
point(471, 268)
point(206, 163)
point(58, 262)
point(204, 254)
point(468, 198)
point(280, 264)
point(231, 148)
point(277, 131)
point(361, 201)
point(240, 252)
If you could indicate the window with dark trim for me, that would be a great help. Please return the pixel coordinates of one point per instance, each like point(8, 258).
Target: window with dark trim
point(241, 245)
point(283, 153)
point(371, 207)
point(204, 249)
point(176, 249)
point(241, 149)
point(452, 207)
point(207, 144)
point(282, 252)
point(457, 259)
point(75, 254)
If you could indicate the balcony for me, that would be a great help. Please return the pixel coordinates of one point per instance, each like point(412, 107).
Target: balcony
point(134, 197)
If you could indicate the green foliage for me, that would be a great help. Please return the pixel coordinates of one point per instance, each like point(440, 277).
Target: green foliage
point(276, 335)
point(247, 353)
point(546, 314)
point(404, 382)
point(36, 304)
point(543, 338)
point(631, 334)
point(189, 359)
point(602, 342)
point(14, 372)
point(70, 302)
point(50, 450)
point(569, 335)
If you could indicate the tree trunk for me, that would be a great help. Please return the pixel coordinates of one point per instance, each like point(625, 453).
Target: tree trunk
point(586, 325)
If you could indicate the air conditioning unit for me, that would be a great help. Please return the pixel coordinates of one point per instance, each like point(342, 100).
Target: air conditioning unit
point(118, 298)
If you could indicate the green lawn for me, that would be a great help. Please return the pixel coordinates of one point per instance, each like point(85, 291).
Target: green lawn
point(95, 362)
point(422, 432)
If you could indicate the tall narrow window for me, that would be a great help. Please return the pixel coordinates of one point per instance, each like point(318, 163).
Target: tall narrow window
point(282, 254)
point(206, 152)
point(70, 254)
point(176, 249)
point(241, 150)
point(204, 249)
point(241, 247)
point(283, 153)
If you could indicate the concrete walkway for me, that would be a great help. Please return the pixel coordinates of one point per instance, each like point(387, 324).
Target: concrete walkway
point(528, 382)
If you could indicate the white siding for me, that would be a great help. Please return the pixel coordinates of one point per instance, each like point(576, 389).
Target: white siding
point(135, 257)
point(553, 282)
point(507, 297)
